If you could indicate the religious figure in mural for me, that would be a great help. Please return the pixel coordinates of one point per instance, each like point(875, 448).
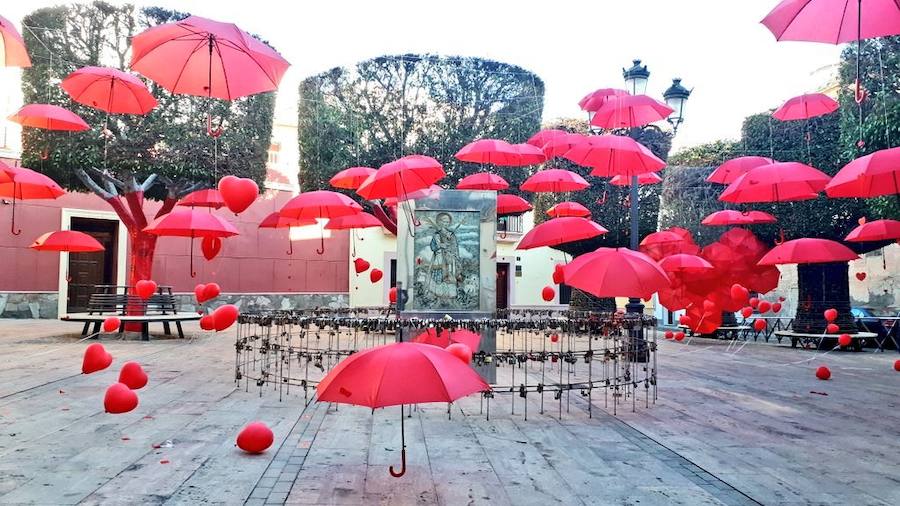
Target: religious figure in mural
point(447, 260)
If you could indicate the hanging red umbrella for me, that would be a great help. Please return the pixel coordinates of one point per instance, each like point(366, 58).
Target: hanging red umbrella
point(49, 117)
point(276, 220)
point(320, 204)
point(554, 181)
point(615, 272)
point(482, 181)
point(209, 197)
point(648, 178)
point(630, 111)
point(202, 57)
point(402, 176)
point(776, 182)
point(19, 183)
point(564, 209)
point(350, 179)
point(806, 106)
point(661, 237)
point(359, 220)
point(732, 217)
point(878, 230)
point(660, 244)
point(594, 100)
point(511, 205)
point(12, 47)
point(494, 151)
point(808, 251)
point(542, 137)
point(109, 90)
point(682, 262)
point(730, 170)
point(560, 145)
point(833, 21)
point(614, 155)
point(67, 240)
point(190, 223)
point(560, 231)
point(529, 155)
point(398, 374)
point(868, 176)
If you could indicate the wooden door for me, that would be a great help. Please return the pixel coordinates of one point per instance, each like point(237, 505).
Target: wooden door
point(502, 285)
point(89, 269)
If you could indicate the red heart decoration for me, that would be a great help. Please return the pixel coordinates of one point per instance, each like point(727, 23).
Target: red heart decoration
point(830, 314)
point(861, 276)
point(558, 274)
point(679, 336)
point(119, 399)
point(255, 438)
point(145, 288)
point(96, 358)
point(238, 193)
point(112, 323)
point(207, 322)
point(210, 246)
point(754, 302)
point(845, 340)
point(823, 373)
point(746, 312)
point(375, 275)
point(392, 295)
point(764, 307)
point(360, 265)
point(211, 291)
point(759, 325)
point(832, 328)
point(669, 334)
point(198, 293)
point(133, 376)
point(776, 307)
point(460, 351)
point(225, 316)
point(548, 293)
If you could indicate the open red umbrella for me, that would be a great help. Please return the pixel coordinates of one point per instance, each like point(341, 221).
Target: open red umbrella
point(510, 205)
point(109, 90)
point(209, 197)
point(350, 179)
point(667, 242)
point(49, 117)
point(629, 111)
point(402, 176)
point(833, 21)
point(529, 155)
point(559, 231)
point(564, 209)
point(731, 169)
point(806, 106)
point(398, 374)
point(482, 181)
point(19, 183)
point(190, 223)
point(554, 181)
point(878, 230)
point(682, 262)
point(67, 240)
point(808, 251)
point(542, 137)
point(494, 151)
point(732, 217)
point(276, 220)
point(615, 272)
point(614, 155)
point(594, 100)
point(648, 178)
point(359, 220)
point(776, 182)
point(320, 204)
point(560, 145)
point(12, 47)
point(868, 176)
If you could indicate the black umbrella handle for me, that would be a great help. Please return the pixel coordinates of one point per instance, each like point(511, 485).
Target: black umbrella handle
point(397, 474)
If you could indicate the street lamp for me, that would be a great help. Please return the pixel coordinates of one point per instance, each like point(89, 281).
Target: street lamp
point(676, 96)
point(636, 78)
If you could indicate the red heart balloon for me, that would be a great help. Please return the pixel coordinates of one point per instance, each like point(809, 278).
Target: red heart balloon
point(210, 246)
point(776, 307)
point(119, 399)
point(133, 376)
point(460, 351)
point(211, 291)
point(823, 373)
point(759, 325)
point(679, 336)
point(225, 316)
point(845, 340)
point(375, 275)
point(747, 312)
point(754, 302)
point(669, 334)
point(360, 265)
point(558, 276)
point(111, 324)
point(96, 358)
point(861, 276)
point(392, 295)
point(145, 288)
point(238, 193)
point(764, 306)
point(207, 322)
point(684, 320)
point(548, 293)
point(255, 438)
point(830, 314)
point(739, 294)
point(198, 293)
point(832, 328)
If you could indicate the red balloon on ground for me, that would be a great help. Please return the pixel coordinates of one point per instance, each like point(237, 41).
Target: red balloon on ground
point(759, 325)
point(376, 275)
point(548, 293)
point(897, 365)
point(832, 328)
point(392, 295)
point(211, 291)
point(238, 193)
point(830, 314)
point(111, 324)
point(207, 322)
point(119, 399)
point(764, 306)
point(460, 351)
point(360, 265)
point(669, 334)
point(145, 288)
point(133, 376)
point(96, 358)
point(823, 373)
point(679, 336)
point(256, 437)
point(845, 340)
point(225, 316)
point(747, 312)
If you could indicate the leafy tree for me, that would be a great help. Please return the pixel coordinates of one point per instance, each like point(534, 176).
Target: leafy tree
point(706, 155)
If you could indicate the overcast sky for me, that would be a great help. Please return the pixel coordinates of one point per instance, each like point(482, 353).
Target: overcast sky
point(717, 47)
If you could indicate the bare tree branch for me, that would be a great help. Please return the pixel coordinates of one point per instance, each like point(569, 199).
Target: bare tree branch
point(111, 183)
point(90, 183)
point(150, 181)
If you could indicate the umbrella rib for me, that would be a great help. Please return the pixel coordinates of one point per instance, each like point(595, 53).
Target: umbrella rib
point(224, 72)
point(179, 38)
point(249, 52)
point(185, 64)
point(438, 374)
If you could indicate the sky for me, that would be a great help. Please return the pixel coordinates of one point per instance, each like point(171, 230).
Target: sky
point(718, 47)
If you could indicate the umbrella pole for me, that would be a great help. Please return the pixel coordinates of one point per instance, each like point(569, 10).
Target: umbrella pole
point(290, 250)
point(397, 474)
point(12, 226)
point(191, 254)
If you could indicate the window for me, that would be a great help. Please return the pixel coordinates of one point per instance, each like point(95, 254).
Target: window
point(509, 224)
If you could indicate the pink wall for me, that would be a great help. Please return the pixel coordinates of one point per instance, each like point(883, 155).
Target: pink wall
point(253, 262)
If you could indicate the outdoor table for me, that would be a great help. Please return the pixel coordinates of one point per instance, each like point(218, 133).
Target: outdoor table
point(805, 339)
point(890, 324)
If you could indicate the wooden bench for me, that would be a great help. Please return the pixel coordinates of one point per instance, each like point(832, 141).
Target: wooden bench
point(818, 339)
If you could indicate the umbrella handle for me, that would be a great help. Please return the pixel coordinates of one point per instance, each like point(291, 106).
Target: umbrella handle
point(45, 154)
point(397, 474)
point(602, 199)
point(780, 240)
point(290, 250)
point(12, 225)
point(321, 248)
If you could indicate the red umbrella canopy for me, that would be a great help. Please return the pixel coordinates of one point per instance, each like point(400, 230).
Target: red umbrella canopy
point(682, 262)
point(776, 182)
point(808, 251)
point(190, 223)
point(109, 90)
point(542, 137)
point(872, 175)
point(359, 220)
point(564, 209)
point(509, 205)
point(320, 204)
point(648, 178)
point(446, 337)
point(495, 151)
point(806, 106)
point(12, 47)
point(732, 217)
point(594, 100)
point(276, 220)
point(49, 117)
point(25, 184)
point(560, 145)
point(630, 111)
point(732, 169)
point(614, 155)
point(878, 230)
point(615, 272)
point(350, 179)
point(658, 245)
point(399, 373)
point(529, 155)
point(402, 176)
point(554, 181)
point(67, 240)
point(833, 21)
point(559, 231)
point(209, 197)
point(424, 192)
point(482, 181)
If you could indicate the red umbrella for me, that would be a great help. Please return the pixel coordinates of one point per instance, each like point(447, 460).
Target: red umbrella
point(418, 194)
point(320, 204)
point(67, 240)
point(872, 175)
point(13, 53)
point(359, 220)
point(564, 209)
point(662, 237)
point(276, 220)
point(776, 182)
point(554, 181)
point(805, 107)
point(402, 176)
point(648, 178)
point(630, 111)
point(529, 155)
point(109, 90)
point(560, 145)
point(209, 197)
point(682, 262)
point(495, 151)
point(19, 183)
point(446, 337)
point(397, 374)
point(49, 117)
point(730, 170)
point(559, 231)
point(509, 205)
point(732, 217)
point(542, 137)
point(667, 242)
point(199, 56)
point(594, 100)
point(615, 272)
point(350, 179)
point(808, 251)
point(833, 21)
point(190, 223)
point(878, 230)
point(614, 155)
point(482, 181)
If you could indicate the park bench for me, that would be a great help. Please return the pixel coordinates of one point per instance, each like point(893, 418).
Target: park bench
point(121, 302)
point(807, 340)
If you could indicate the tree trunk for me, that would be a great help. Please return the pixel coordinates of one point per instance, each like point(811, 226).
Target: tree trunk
point(821, 287)
point(143, 246)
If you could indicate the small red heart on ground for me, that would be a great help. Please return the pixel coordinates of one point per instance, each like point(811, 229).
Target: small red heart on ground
point(133, 376)
point(119, 399)
point(255, 438)
point(96, 358)
point(823, 373)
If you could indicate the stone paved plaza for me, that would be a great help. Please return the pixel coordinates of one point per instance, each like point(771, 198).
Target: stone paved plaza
point(732, 425)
